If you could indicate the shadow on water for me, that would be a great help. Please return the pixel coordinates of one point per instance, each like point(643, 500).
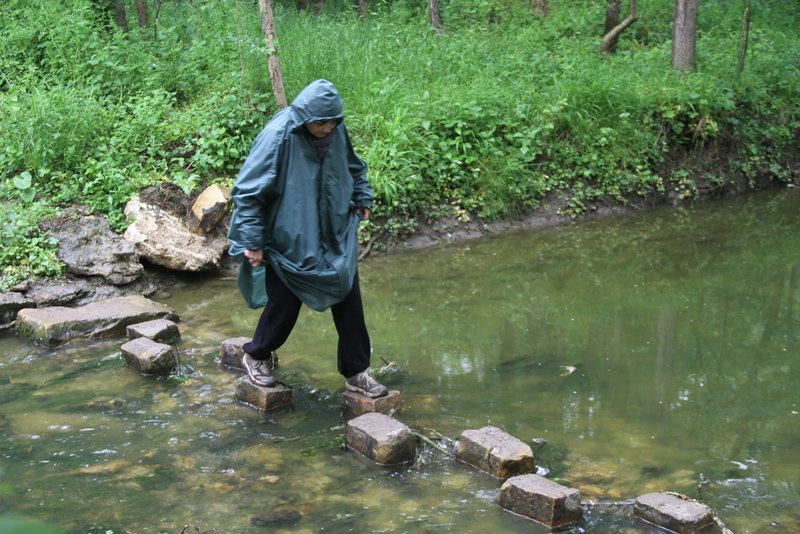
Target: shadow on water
point(651, 352)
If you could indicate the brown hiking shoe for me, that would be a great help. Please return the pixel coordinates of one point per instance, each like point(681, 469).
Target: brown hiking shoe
point(366, 385)
point(259, 371)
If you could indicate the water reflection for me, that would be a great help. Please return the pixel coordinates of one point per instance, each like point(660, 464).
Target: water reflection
point(643, 353)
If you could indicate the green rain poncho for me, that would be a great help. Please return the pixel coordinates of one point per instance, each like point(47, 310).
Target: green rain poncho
point(298, 208)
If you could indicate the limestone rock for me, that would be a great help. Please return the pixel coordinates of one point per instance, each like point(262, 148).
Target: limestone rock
point(263, 398)
point(381, 438)
point(495, 451)
point(674, 512)
point(165, 240)
point(88, 247)
point(149, 357)
point(10, 305)
point(107, 318)
point(161, 330)
point(209, 209)
point(541, 499)
point(355, 404)
point(230, 352)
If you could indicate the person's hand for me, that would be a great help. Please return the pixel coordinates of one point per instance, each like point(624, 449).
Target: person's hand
point(364, 212)
point(254, 257)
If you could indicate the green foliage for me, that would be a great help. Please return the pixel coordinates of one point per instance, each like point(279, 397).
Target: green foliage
point(487, 120)
point(26, 253)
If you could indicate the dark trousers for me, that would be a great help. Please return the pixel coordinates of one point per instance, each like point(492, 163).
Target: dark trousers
point(280, 315)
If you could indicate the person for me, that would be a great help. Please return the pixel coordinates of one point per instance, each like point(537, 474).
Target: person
point(298, 199)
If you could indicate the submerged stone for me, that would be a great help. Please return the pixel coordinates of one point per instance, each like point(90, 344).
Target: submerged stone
point(230, 352)
point(263, 398)
point(161, 330)
point(149, 357)
point(276, 517)
point(106, 318)
point(354, 404)
point(495, 451)
point(381, 438)
point(541, 499)
point(674, 512)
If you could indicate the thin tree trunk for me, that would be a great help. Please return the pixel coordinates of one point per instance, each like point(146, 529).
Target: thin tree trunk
point(612, 35)
point(434, 15)
point(268, 26)
point(612, 21)
point(540, 7)
point(119, 14)
point(684, 35)
point(155, 19)
point(363, 8)
point(743, 38)
point(141, 11)
point(239, 45)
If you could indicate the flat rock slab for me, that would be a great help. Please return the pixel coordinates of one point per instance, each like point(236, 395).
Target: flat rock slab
point(161, 330)
point(354, 404)
point(149, 357)
point(263, 398)
point(495, 451)
point(230, 352)
point(541, 499)
point(381, 439)
point(106, 318)
point(674, 512)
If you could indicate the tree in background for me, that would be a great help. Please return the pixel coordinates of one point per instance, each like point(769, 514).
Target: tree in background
point(609, 42)
point(119, 14)
point(684, 35)
point(743, 37)
point(434, 15)
point(275, 75)
point(613, 9)
point(141, 11)
point(539, 7)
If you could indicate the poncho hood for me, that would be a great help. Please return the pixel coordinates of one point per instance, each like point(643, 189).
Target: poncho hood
point(300, 208)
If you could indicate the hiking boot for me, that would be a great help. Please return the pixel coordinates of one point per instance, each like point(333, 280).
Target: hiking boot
point(366, 385)
point(259, 371)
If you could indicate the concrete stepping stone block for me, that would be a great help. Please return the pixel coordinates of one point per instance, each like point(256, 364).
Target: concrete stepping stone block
point(104, 318)
point(230, 352)
point(355, 404)
point(263, 398)
point(496, 452)
point(673, 512)
point(381, 438)
point(161, 330)
point(543, 500)
point(149, 357)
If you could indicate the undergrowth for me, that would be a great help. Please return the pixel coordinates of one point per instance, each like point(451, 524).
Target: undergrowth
point(484, 120)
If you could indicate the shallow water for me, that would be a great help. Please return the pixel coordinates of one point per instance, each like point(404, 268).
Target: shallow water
point(650, 352)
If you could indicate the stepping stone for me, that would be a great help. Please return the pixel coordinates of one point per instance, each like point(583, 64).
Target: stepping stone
point(673, 512)
point(230, 352)
point(541, 499)
point(105, 318)
point(355, 404)
point(381, 439)
point(149, 357)
point(498, 453)
point(161, 330)
point(263, 398)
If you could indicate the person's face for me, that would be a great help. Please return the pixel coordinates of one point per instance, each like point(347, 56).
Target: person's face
point(321, 128)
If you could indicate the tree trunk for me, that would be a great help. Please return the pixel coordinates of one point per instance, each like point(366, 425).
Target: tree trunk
point(119, 14)
point(611, 36)
point(434, 16)
point(363, 8)
point(612, 20)
point(539, 7)
point(684, 35)
point(141, 10)
point(743, 38)
point(268, 25)
point(155, 20)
